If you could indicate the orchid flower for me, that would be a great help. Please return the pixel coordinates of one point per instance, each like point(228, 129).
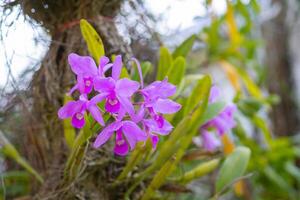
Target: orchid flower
point(222, 123)
point(152, 128)
point(76, 110)
point(127, 135)
point(117, 91)
point(157, 102)
point(86, 70)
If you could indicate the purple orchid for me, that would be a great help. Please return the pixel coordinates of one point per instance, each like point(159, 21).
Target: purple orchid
point(76, 110)
point(156, 100)
point(210, 141)
point(127, 135)
point(222, 123)
point(86, 70)
point(152, 128)
point(155, 104)
point(117, 94)
point(117, 91)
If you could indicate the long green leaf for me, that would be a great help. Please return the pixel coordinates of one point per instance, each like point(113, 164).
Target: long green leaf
point(200, 170)
point(233, 167)
point(184, 48)
point(10, 151)
point(177, 71)
point(164, 63)
point(93, 40)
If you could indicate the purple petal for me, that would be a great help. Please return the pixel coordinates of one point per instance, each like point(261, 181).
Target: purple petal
point(88, 85)
point(214, 94)
point(95, 112)
point(127, 105)
point(78, 120)
point(166, 106)
point(70, 109)
point(161, 89)
point(139, 116)
point(126, 87)
point(98, 98)
point(121, 147)
point(133, 133)
point(117, 67)
point(82, 65)
point(112, 104)
point(153, 126)
point(75, 87)
point(121, 114)
point(210, 142)
point(104, 84)
point(106, 133)
point(103, 61)
point(154, 140)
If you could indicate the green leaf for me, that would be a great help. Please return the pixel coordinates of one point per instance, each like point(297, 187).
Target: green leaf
point(195, 98)
point(164, 63)
point(199, 171)
point(184, 48)
point(93, 40)
point(276, 178)
point(124, 73)
point(177, 71)
point(10, 151)
point(233, 167)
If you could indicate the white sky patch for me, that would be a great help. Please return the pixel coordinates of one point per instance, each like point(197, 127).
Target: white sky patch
point(219, 6)
point(19, 47)
point(176, 14)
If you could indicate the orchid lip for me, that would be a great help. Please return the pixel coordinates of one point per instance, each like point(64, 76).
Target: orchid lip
point(79, 116)
point(113, 101)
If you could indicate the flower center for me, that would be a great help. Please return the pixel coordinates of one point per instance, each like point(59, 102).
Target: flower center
point(79, 116)
point(88, 83)
point(113, 101)
point(120, 142)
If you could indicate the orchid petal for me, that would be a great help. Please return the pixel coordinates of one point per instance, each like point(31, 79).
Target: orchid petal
point(153, 126)
point(154, 140)
point(106, 133)
point(121, 147)
point(214, 94)
point(166, 106)
point(75, 87)
point(104, 84)
point(133, 133)
point(96, 113)
point(117, 67)
point(78, 122)
point(126, 87)
point(210, 142)
point(98, 98)
point(70, 109)
point(82, 65)
point(127, 105)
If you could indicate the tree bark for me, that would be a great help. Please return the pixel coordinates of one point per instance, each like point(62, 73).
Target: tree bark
point(284, 116)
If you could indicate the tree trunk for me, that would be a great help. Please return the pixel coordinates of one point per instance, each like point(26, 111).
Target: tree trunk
point(284, 116)
point(45, 143)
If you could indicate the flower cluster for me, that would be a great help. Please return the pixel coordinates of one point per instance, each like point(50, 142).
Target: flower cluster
point(222, 123)
point(132, 121)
